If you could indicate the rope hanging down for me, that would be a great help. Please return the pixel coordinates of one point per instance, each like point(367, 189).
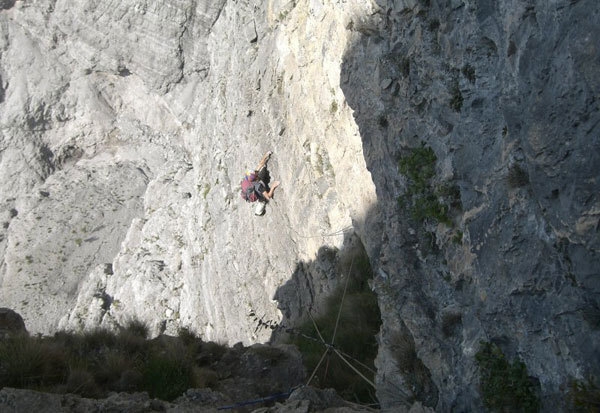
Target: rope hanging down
point(330, 346)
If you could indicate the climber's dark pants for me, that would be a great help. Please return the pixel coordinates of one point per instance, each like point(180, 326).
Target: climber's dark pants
point(263, 175)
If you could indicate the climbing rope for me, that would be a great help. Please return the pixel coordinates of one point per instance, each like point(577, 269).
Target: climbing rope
point(328, 347)
point(317, 367)
point(337, 321)
point(354, 368)
point(272, 397)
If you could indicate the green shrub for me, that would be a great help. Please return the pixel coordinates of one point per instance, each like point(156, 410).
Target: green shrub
point(422, 199)
point(584, 396)
point(456, 97)
point(419, 166)
point(469, 72)
point(167, 376)
point(457, 238)
point(137, 327)
point(358, 324)
point(517, 176)
point(22, 361)
point(81, 381)
point(428, 206)
point(505, 386)
point(333, 107)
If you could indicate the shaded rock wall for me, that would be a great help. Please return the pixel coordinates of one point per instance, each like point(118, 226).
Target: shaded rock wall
point(503, 95)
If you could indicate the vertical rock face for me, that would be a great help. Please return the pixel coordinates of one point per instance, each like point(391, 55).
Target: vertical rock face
point(126, 128)
point(503, 94)
point(123, 149)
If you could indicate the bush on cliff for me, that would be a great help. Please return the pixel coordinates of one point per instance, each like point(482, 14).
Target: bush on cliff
point(505, 386)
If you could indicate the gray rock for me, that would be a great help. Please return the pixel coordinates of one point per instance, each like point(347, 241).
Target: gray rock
point(11, 323)
point(514, 262)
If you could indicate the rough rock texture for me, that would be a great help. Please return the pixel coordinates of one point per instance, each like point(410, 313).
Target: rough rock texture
point(141, 105)
point(506, 94)
point(305, 400)
point(126, 126)
point(10, 323)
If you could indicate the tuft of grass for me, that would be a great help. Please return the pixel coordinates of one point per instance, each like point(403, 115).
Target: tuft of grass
point(206, 191)
point(422, 199)
point(333, 107)
point(137, 328)
point(96, 340)
point(591, 314)
point(23, 362)
point(412, 368)
point(114, 363)
point(205, 377)
point(584, 395)
point(505, 386)
point(403, 347)
point(456, 97)
point(434, 24)
point(517, 176)
point(167, 374)
point(82, 382)
point(186, 336)
point(404, 66)
point(382, 121)
point(95, 362)
point(469, 72)
point(450, 321)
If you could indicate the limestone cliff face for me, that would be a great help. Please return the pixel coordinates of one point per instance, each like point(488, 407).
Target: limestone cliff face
point(126, 127)
point(126, 130)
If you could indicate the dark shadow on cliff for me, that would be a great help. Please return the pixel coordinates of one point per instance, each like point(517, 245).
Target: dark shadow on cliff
point(495, 242)
point(331, 302)
point(333, 293)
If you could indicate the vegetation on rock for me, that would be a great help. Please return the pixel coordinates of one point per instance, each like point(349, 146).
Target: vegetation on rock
point(517, 176)
point(505, 386)
point(423, 199)
point(353, 335)
point(97, 362)
point(585, 395)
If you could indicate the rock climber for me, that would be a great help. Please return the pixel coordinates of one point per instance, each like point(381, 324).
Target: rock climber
point(255, 186)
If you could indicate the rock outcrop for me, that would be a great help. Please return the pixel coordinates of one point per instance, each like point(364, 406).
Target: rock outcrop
point(503, 94)
point(126, 128)
point(304, 400)
point(10, 323)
